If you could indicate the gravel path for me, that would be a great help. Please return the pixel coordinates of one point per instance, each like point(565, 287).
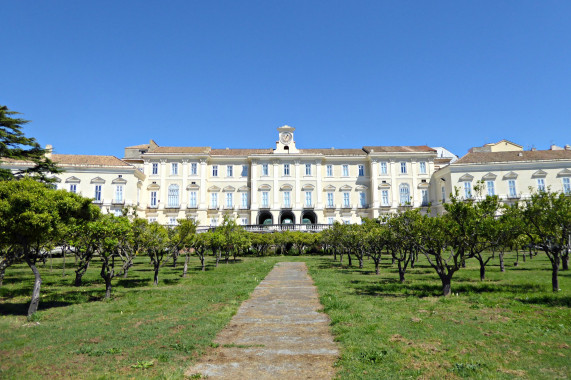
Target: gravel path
point(276, 334)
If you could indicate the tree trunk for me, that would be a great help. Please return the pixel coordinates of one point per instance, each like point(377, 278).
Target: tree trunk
point(401, 276)
point(446, 288)
point(156, 278)
point(174, 259)
point(185, 269)
point(63, 268)
point(125, 272)
point(412, 261)
point(2, 272)
point(502, 267)
point(349, 258)
point(107, 287)
point(393, 262)
point(377, 267)
point(564, 262)
point(36, 292)
point(482, 271)
point(202, 263)
point(217, 258)
point(360, 262)
point(334, 255)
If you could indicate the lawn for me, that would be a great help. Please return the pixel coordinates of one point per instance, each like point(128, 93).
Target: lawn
point(509, 326)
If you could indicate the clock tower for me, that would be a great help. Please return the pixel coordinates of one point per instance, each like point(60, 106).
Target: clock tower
point(285, 143)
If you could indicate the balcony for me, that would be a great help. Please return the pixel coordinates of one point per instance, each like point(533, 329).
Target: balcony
point(308, 206)
point(97, 201)
point(229, 207)
point(153, 207)
point(118, 202)
point(213, 207)
point(330, 206)
point(192, 206)
point(363, 206)
point(172, 207)
point(244, 207)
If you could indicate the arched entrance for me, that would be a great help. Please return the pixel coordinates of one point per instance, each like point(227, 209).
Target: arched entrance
point(308, 217)
point(287, 217)
point(265, 217)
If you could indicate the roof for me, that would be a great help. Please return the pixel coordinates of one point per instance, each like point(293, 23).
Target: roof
point(83, 159)
point(238, 152)
point(399, 149)
point(182, 149)
point(141, 146)
point(334, 152)
point(514, 156)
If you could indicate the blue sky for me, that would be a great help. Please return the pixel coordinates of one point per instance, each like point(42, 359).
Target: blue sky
point(96, 76)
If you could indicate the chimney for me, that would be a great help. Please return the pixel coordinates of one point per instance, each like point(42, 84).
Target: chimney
point(567, 147)
point(49, 149)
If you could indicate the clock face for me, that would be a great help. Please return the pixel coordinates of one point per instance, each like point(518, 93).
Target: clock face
point(286, 137)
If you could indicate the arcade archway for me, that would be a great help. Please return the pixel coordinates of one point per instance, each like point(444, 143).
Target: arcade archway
point(308, 217)
point(287, 217)
point(265, 217)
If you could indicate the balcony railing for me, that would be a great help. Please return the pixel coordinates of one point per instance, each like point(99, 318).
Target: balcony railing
point(118, 202)
point(228, 207)
point(268, 228)
point(192, 206)
point(97, 201)
point(244, 207)
point(213, 207)
point(330, 206)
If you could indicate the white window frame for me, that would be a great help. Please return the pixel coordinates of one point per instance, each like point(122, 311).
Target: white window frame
point(361, 170)
point(330, 220)
point(422, 167)
point(540, 184)
point(119, 193)
point(308, 199)
point(229, 171)
point(193, 198)
point(443, 191)
point(287, 199)
point(403, 169)
point(213, 200)
point(385, 200)
point(566, 181)
point(98, 193)
point(286, 170)
point(363, 199)
point(73, 188)
point(491, 187)
point(265, 170)
point(512, 189)
point(329, 171)
point(244, 171)
point(173, 199)
point(155, 168)
point(384, 167)
point(345, 170)
point(346, 199)
point(172, 221)
point(152, 219)
point(330, 199)
point(244, 200)
point(244, 221)
point(174, 168)
point(153, 199)
point(215, 170)
point(265, 199)
point(214, 222)
point(193, 168)
point(404, 194)
point(229, 200)
point(424, 197)
point(467, 190)
point(307, 169)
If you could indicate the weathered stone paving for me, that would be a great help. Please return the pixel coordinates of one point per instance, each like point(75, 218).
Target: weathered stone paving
point(276, 334)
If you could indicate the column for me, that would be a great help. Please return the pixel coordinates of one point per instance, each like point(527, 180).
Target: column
point(297, 193)
point(275, 204)
point(374, 187)
point(414, 192)
point(183, 192)
point(163, 191)
point(319, 188)
point(203, 202)
point(393, 167)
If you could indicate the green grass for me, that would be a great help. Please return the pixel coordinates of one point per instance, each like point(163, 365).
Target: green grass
point(143, 331)
point(509, 326)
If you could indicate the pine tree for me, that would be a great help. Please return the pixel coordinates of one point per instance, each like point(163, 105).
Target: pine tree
point(15, 145)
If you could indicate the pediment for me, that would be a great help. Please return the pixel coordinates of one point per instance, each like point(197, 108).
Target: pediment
point(489, 177)
point(264, 187)
point(329, 188)
point(510, 175)
point(466, 178)
point(244, 188)
point(539, 174)
point(385, 185)
point(361, 187)
point(72, 179)
point(153, 186)
point(193, 186)
point(564, 173)
point(213, 188)
point(345, 188)
point(287, 187)
point(97, 180)
point(229, 189)
point(308, 187)
point(423, 185)
point(56, 179)
point(119, 180)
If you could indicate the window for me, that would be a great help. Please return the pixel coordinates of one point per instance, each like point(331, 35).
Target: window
point(329, 199)
point(361, 170)
point(265, 170)
point(98, 193)
point(467, 190)
point(346, 221)
point(244, 221)
point(287, 199)
point(512, 189)
point(491, 188)
point(192, 202)
point(153, 199)
point(155, 168)
point(119, 193)
point(329, 170)
point(215, 170)
point(346, 200)
point(424, 194)
point(265, 199)
point(244, 200)
point(244, 171)
point(286, 169)
point(443, 194)
point(229, 200)
point(330, 220)
point(384, 168)
point(172, 222)
point(345, 170)
point(540, 184)
point(308, 202)
point(363, 199)
point(566, 185)
point(174, 168)
point(173, 200)
point(214, 200)
point(193, 168)
point(384, 197)
point(307, 169)
point(73, 188)
point(213, 222)
point(152, 220)
point(229, 171)
point(404, 193)
point(422, 166)
point(117, 212)
point(403, 167)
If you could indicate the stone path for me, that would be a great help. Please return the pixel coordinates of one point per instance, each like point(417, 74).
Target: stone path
point(276, 334)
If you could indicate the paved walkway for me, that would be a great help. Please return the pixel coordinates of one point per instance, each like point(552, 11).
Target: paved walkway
point(276, 334)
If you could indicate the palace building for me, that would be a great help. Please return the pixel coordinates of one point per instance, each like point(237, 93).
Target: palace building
point(289, 185)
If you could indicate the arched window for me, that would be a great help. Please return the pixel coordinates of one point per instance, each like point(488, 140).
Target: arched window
point(404, 192)
point(173, 199)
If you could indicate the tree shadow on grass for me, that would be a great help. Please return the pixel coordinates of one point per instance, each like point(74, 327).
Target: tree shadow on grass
point(21, 308)
point(132, 282)
point(547, 300)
